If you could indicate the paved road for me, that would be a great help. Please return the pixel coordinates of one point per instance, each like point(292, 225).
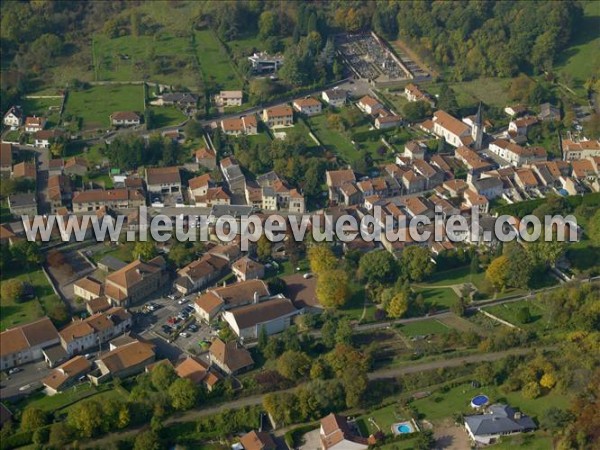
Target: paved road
point(29, 377)
point(195, 414)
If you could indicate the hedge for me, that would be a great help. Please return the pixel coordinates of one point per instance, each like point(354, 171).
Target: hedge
point(19, 439)
point(524, 208)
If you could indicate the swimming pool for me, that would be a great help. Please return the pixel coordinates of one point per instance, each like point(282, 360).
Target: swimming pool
point(403, 428)
point(479, 400)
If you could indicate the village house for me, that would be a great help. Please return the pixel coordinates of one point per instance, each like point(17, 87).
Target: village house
point(418, 206)
point(258, 440)
point(455, 132)
point(497, 421)
point(83, 334)
point(233, 174)
point(95, 199)
point(180, 99)
point(135, 281)
point(521, 126)
point(200, 273)
point(243, 125)
point(273, 315)
point(414, 94)
point(583, 169)
point(13, 117)
point(198, 186)
point(87, 288)
point(22, 204)
point(34, 124)
point(163, 180)
point(210, 303)
point(97, 305)
point(205, 157)
point(25, 170)
point(413, 182)
point(6, 157)
point(386, 121)
point(415, 150)
point(433, 177)
point(515, 154)
point(75, 166)
point(230, 357)
point(67, 374)
point(56, 166)
point(262, 62)
point(475, 163)
point(475, 200)
point(455, 187)
point(515, 110)
point(369, 105)
point(125, 118)
point(308, 106)
point(229, 98)
point(526, 179)
point(26, 343)
point(198, 372)
point(44, 138)
point(247, 269)
point(489, 186)
point(336, 434)
point(276, 194)
point(278, 116)
point(583, 148)
point(124, 361)
point(334, 97)
point(336, 180)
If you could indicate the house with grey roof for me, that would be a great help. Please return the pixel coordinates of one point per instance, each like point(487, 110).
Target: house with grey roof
point(498, 420)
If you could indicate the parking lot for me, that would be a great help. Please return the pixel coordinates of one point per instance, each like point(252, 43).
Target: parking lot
point(183, 332)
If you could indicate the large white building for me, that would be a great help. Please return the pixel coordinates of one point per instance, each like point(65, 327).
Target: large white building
point(26, 343)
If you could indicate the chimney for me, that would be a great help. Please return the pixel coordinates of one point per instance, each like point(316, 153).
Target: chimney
point(256, 296)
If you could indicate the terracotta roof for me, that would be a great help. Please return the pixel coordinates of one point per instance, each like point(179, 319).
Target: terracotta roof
point(5, 155)
point(424, 168)
point(279, 111)
point(456, 185)
point(389, 119)
point(450, 123)
point(474, 198)
point(306, 102)
point(245, 265)
point(73, 368)
point(198, 182)
point(570, 145)
point(44, 135)
point(98, 304)
point(32, 334)
point(90, 285)
point(133, 273)
point(35, 121)
point(251, 315)
point(125, 115)
point(250, 121)
point(24, 170)
point(94, 324)
point(336, 178)
point(230, 94)
point(230, 355)
point(213, 194)
point(527, 177)
point(415, 205)
point(241, 292)
point(582, 168)
point(205, 153)
point(367, 100)
point(335, 429)
point(193, 369)
point(57, 163)
point(257, 440)
point(109, 195)
point(203, 267)
point(127, 356)
point(163, 175)
point(232, 124)
point(208, 302)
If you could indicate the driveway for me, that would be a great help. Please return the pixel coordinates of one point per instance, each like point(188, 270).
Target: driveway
point(449, 436)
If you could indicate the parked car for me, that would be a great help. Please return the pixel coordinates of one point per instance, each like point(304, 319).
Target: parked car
point(182, 301)
point(184, 334)
point(14, 370)
point(193, 328)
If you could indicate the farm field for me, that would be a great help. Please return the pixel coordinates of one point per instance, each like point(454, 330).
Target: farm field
point(215, 65)
point(96, 104)
point(492, 91)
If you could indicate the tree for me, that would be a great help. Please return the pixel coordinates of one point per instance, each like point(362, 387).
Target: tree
point(593, 229)
point(277, 286)
point(86, 417)
point(321, 259)
point(12, 290)
point(459, 306)
point(33, 418)
point(415, 111)
point(162, 376)
point(343, 333)
point(548, 380)
point(398, 305)
point(60, 434)
point(183, 394)
point(474, 266)
point(181, 254)
point(27, 253)
point(497, 272)
point(524, 315)
point(485, 374)
point(416, 263)
point(144, 250)
point(263, 248)
point(555, 418)
point(425, 440)
point(193, 129)
point(355, 384)
point(378, 266)
point(147, 440)
point(293, 364)
point(263, 338)
point(267, 25)
point(328, 332)
point(332, 288)
point(531, 390)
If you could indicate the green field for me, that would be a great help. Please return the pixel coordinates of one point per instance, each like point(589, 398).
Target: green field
point(333, 140)
point(443, 405)
point(509, 312)
point(166, 116)
point(162, 58)
point(96, 104)
point(437, 297)
point(215, 64)
point(459, 275)
point(582, 59)
point(491, 91)
point(424, 327)
point(13, 313)
point(384, 418)
point(539, 440)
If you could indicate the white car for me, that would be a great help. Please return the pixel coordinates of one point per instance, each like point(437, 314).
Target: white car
point(184, 334)
point(182, 301)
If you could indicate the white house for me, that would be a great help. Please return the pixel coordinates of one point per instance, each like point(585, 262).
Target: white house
point(125, 118)
point(455, 132)
point(369, 105)
point(309, 106)
point(14, 117)
point(517, 155)
point(499, 420)
point(334, 97)
point(229, 98)
point(25, 343)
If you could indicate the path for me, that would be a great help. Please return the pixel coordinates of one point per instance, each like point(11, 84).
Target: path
point(253, 400)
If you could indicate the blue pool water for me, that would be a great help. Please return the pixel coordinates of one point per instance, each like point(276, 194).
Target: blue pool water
point(404, 429)
point(479, 400)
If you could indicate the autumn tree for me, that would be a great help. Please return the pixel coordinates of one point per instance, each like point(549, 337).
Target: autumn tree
point(321, 259)
point(145, 250)
point(398, 305)
point(416, 264)
point(497, 272)
point(86, 418)
point(12, 290)
point(332, 288)
point(531, 390)
point(293, 364)
point(33, 418)
point(183, 394)
point(147, 440)
point(263, 248)
point(162, 376)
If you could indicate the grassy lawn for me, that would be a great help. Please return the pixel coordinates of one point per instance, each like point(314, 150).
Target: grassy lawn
point(12, 136)
point(437, 297)
point(96, 104)
point(509, 312)
point(5, 214)
point(13, 313)
point(215, 64)
point(353, 309)
point(384, 418)
point(423, 327)
point(122, 252)
point(46, 107)
point(332, 139)
point(539, 440)
point(582, 59)
point(443, 405)
point(167, 116)
point(492, 91)
point(262, 138)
